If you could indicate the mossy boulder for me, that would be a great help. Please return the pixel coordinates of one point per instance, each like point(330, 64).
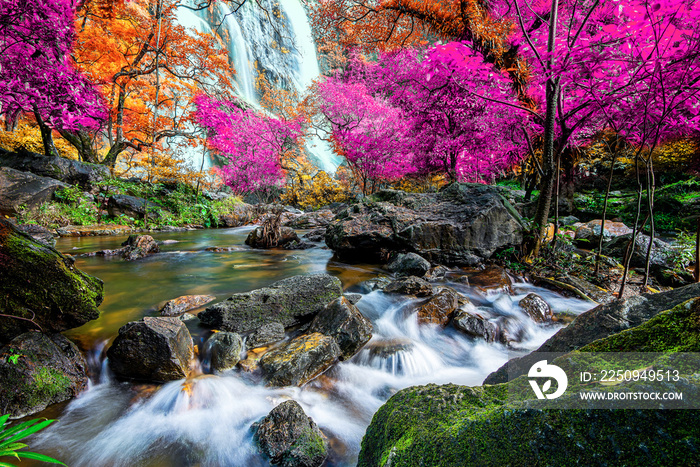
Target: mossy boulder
point(290, 438)
point(504, 425)
point(290, 302)
point(37, 370)
point(40, 288)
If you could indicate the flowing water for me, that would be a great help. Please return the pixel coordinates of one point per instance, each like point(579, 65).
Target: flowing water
point(206, 420)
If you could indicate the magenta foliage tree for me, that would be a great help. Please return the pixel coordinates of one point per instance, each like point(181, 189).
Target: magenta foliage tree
point(36, 74)
point(404, 113)
point(252, 145)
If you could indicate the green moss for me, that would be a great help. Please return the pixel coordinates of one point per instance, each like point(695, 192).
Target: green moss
point(48, 383)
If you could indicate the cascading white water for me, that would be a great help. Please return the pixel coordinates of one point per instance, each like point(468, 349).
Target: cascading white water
point(271, 38)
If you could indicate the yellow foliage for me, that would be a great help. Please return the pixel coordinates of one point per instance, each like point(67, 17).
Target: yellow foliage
point(676, 155)
point(310, 188)
point(28, 137)
point(430, 183)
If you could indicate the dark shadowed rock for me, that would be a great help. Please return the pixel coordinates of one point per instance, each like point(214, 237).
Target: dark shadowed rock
point(23, 189)
point(311, 220)
point(40, 284)
point(153, 349)
point(290, 302)
point(410, 286)
point(265, 335)
point(342, 320)
point(290, 438)
point(439, 308)
point(536, 308)
point(316, 235)
point(287, 237)
point(353, 297)
point(300, 360)
point(463, 224)
point(139, 246)
point(37, 370)
point(409, 264)
point(132, 206)
point(224, 350)
point(377, 283)
point(180, 305)
point(602, 321)
point(475, 325)
point(66, 170)
point(662, 254)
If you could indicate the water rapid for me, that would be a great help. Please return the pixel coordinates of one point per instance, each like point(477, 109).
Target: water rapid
point(206, 420)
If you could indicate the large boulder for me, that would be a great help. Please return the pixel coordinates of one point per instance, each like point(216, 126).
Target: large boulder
point(24, 190)
point(300, 360)
point(662, 254)
point(37, 370)
point(241, 214)
point(589, 233)
point(290, 302)
point(66, 170)
point(290, 438)
point(40, 288)
point(154, 349)
point(410, 285)
point(600, 322)
point(342, 320)
point(132, 206)
point(463, 224)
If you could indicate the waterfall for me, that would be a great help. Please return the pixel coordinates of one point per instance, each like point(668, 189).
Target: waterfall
point(270, 38)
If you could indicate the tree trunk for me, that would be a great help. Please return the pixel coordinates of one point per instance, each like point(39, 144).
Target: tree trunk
point(46, 136)
point(82, 141)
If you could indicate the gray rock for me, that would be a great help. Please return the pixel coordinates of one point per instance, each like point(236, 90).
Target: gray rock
point(154, 349)
point(602, 321)
point(378, 283)
point(265, 335)
point(41, 287)
point(24, 190)
point(290, 302)
point(132, 206)
point(353, 297)
point(39, 233)
point(312, 220)
point(662, 254)
point(316, 235)
point(342, 320)
point(290, 438)
point(180, 305)
point(37, 370)
point(463, 224)
point(475, 325)
point(242, 214)
point(410, 286)
point(409, 264)
point(224, 350)
point(139, 246)
point(69, 171)
point(439, 308)
point(536, 308)
point(300, 360)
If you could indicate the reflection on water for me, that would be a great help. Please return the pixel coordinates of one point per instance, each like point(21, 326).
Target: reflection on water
point(206, 420)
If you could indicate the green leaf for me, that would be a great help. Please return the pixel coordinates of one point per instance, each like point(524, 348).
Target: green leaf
point(29, 431)
point(39, 457)
point(5, 464)
point(3, 421)
point(13, 447)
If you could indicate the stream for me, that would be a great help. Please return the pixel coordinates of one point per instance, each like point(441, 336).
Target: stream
point(206, 420)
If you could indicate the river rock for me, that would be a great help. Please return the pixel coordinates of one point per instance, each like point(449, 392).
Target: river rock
point(409, 264)
point(290, 302)
point(24, 190)
point(590, 232)
point(353, 297)
point(132, 206)
point(41, 288)
point(300, 360)
point(39, 233)
point(377, 283)
point(311, 220)
point(662, 254)
point(492, 278)
point(463, 224)
point(342, 320)
point(290, 438)
point(410, 286)
point(180, 305)
point(265, 335)
point(316, 235)
point(139, 246)
point(241, 214)
point(473, 324)
point(69, 171)
point(224, 350)
point(154, 349)
point(287, 237)
point(536, 308)
point(600, 322)
point(37, 370)
point(439, 308)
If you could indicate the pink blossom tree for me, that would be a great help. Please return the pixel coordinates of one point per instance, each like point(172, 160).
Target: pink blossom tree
point(251, 145)
point(36, 73)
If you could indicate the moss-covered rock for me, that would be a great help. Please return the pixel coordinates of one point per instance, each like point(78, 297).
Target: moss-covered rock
point(290, 302)
point(40, 288)
point(504, 425)
point(37, 370)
